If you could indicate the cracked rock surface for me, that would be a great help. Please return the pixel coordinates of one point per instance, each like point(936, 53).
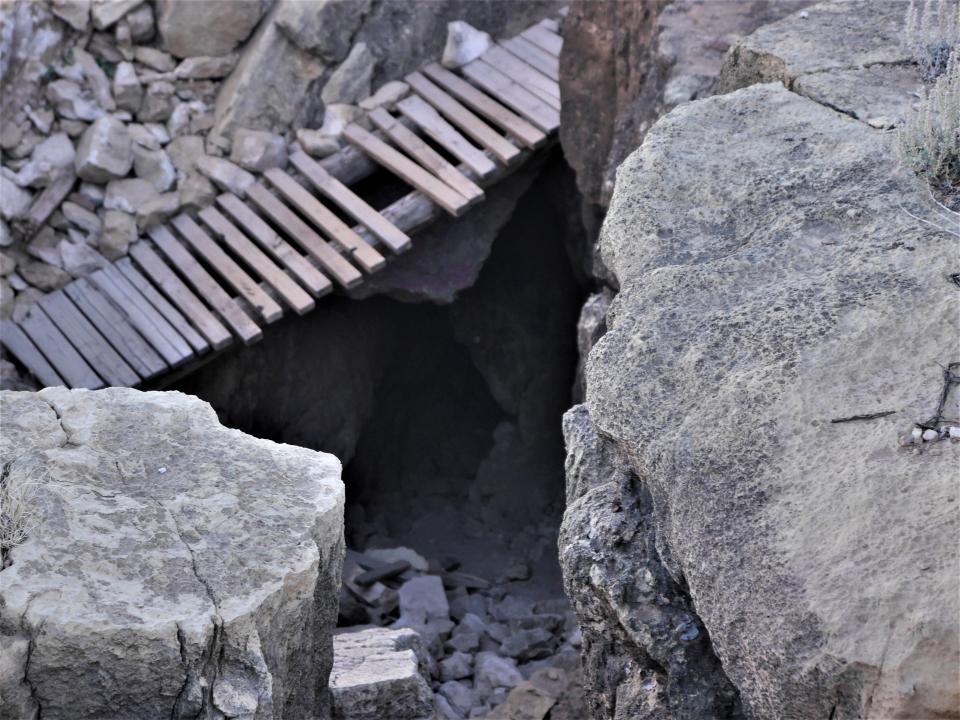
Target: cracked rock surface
point(180, 569)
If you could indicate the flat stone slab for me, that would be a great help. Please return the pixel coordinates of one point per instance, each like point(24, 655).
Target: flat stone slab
point(377, 675)
point(180, 568)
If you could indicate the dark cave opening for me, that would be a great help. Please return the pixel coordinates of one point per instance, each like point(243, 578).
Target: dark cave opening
point(445, 415)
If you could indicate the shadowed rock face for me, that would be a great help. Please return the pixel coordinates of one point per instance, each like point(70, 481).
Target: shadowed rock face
point(181, 569)
point(770, 282)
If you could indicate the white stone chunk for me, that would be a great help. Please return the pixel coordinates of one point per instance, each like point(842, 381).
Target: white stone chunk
point(350, 82)
point(387, 96)
point(51, 159)
point(225, 174)
point(104, 152)
point(464, 43)
point(127, 90)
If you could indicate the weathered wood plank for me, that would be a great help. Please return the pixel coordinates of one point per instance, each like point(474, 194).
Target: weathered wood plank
point(501, 148)
point(298, 231)
point(344, 197)
point(535, 81)
point(534, 56)
point(321, 216)
point(234, 275)
point(513, 94)
point(180, 295)
point(489, 108)
point(68, 363)
point(143, 316)
point(116, 329)
point(23, 349)
point(315, 281)
point(426, 155)
point(543, 38)
point(438, 191)
point(208, 288)
point(162, 305)
point(551, 25)
point(294, 295)
point(87, 340)
point(445, 135)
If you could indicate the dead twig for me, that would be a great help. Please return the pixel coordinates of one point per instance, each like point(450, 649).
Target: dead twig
point(868, 416)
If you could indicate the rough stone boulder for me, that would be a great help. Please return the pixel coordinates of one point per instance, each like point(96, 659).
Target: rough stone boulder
point(180, 569)
point(770, 282)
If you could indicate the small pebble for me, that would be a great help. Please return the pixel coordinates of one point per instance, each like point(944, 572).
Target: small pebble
point(162, 470)
point(930, 435)
point(954, 432)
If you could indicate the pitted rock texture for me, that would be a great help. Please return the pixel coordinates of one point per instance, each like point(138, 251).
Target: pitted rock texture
point(766, 287)
point(181, 569)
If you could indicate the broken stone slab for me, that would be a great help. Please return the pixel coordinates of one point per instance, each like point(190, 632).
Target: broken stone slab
point(460, 696)
point(42, 119)
point(129, 194)
point(157, 209)
point(387, 96)
point(43, 276)
point(141, 24)
point(8, 263)
point(531, 644)
point(79, 259)
point(179, 121)
point(464, 44)
point(337, 116)
point(14, 200)
point(106, 12)
point(158, 102)
point(119, 232)
point(154, 59)
point(127, 90)
point(524, 702)
point(350, 82)
point(389, 555)
point(424, 596)
point(316, 144)
point(95, 78)
point(104, 152)
point(83, 218)
point(195, 191)
point(154, 166)
point(457, 666)
point(136, 572)
point(206, 67)
point(7, 302)
point(51, 159)
point(68, 100)
point(258, 150)
point(76, 13)
point(140, 135)
point(490, 671)
point(376, 674)
point(225, 174)
point(384, 572)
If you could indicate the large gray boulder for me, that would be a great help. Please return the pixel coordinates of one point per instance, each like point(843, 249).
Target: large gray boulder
point(771, 282)
point(211, 27)
point(180, 569)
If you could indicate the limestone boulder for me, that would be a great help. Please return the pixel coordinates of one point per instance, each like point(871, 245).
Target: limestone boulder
point(258, 151)
point(51, 159)
point(212, 27)
point(377, 674)
point(104, 152)
point(768, 279)
point(350, 82)
point(180, 568)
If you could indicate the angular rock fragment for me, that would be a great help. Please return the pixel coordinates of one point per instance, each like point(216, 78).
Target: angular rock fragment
point(350, 82)
point(316, 143)
point(157, 210)
point(119, 232)
point(127, 90)
point(128, 195)
point(154, 166)
point(51, 159)
point(104, 152)
point(464, 43)
point(76, 13)
point(225, 174)
point(14, 201)
point(206, 67)
point(107, 12)
point(387, 96)
point(79, 259)
point(258, 150)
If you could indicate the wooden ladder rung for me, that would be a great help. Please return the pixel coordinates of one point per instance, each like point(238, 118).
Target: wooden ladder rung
point(399, 164)
point(232, 273)
point(363, 213)
point(544, 39)
point(315, 281)
point(94, 348)
point(414, 146)
point(496, 113)
point(535, 81)
point(180, 295)
point(513, 94)
point(116, 329)
point(534, 56)
point(23, 349)
point(445, 135)
point(298, 231)
point(208, 288)
point(498, 146)
point(69, 364)
point(294, 295)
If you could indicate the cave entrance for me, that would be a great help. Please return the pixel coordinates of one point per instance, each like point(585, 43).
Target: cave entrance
point(446, 415)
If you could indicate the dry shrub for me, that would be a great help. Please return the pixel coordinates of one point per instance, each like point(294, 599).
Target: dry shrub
point(932, 33)
point(19, 512)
